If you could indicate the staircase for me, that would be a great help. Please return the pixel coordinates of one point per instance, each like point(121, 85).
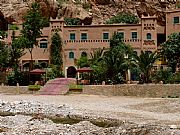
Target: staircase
point(58, 86)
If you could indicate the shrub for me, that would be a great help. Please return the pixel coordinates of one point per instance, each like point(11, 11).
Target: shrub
point(176, 78)
point(72, 21)
point(34, 87)
point(123, 18)
point(74, 86)
point(163, 75)
point(14, 78)
point(87, 6)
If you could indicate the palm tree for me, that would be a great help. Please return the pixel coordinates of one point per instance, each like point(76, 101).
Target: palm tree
point(145, 62)
point(114, 59)
point(96, 56)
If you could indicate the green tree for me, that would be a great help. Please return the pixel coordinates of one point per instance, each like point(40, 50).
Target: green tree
point(16, 50)
point(113, 63)
point(96, 56)
point(56, 58)
point(32, 26)
point(116, 39)
point(72, 21)
point(4, 56)
point(145, 62)
point(56, 50)
point(83, 62)
point(113, 60)
point(165, 75)
point(123, 18)
point(171, 51)
point(3, 34)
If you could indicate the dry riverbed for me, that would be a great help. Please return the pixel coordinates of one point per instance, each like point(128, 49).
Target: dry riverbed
point(88, 115)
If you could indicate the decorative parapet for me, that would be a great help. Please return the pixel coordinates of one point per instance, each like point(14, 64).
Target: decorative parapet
point(149, 27)
point(149, 42)
point(125, 40)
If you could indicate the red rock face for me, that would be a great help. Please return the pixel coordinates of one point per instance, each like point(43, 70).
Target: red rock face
point(47, 9)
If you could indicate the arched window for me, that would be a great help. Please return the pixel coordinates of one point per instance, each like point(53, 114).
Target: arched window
point(43, 43)
point(83, 54)
point(71, 55)
point(135, 52)
point(148, 36)
point(148, 52)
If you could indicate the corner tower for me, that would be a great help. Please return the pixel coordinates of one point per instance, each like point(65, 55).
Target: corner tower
point(149, 33)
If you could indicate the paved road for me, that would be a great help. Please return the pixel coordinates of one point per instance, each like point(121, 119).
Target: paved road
point(139, 110)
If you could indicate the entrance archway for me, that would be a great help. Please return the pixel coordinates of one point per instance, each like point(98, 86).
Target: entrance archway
point(71, 72)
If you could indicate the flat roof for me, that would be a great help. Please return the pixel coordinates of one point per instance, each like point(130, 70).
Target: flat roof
point(103, 25)
point(172, 10)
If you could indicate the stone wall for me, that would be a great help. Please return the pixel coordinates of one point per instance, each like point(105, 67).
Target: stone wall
point(146, 90)
point(14, 90)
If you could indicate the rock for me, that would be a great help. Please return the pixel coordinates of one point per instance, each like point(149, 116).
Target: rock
point(173, 126)
point(38, 124)
point(95, 11)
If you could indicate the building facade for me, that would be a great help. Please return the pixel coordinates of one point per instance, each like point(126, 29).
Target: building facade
point(84, 39)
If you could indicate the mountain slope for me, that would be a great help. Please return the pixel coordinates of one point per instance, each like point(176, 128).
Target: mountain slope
point(89, 11)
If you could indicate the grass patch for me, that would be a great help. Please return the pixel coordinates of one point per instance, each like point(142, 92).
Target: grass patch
point(34, 87)
point(73, 86)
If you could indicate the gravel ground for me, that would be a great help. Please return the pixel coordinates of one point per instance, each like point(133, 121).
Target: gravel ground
point(132, 109)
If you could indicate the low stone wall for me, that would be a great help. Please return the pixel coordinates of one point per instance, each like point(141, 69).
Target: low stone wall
point(14, 90)
point(146, 90)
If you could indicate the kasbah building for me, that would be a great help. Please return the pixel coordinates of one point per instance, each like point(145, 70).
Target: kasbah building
point(146, 36)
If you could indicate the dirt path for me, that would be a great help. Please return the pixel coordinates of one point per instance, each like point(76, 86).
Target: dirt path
point(139, 110)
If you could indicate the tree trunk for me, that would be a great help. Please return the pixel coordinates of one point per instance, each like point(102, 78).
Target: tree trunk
point(31, 61)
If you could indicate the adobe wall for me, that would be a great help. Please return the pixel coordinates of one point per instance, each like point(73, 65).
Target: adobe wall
point(146, 90)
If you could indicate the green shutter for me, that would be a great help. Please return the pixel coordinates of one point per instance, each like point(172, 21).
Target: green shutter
point(72, 36)
point(105, 36)
point(176, 20)
point(83, 36)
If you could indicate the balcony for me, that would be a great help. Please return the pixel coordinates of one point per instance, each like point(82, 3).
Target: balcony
point(149, 42)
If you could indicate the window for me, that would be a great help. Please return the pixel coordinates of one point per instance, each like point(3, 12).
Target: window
point(105, 36)
point(176, 20)
point(134, 35)
point(135, 52)
point(83, 54)
point(121, 35)
point(71, 55)
point(148, 36)
point(72, 36)
point(43, 43)
point(83, 36)
point(148, 52)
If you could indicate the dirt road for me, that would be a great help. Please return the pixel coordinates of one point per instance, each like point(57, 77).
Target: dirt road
point(138, 110)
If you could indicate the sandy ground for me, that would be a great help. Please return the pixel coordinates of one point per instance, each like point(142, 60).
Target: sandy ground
point(133, 109)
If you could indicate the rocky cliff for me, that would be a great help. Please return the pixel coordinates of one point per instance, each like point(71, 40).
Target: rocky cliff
point(89, 11)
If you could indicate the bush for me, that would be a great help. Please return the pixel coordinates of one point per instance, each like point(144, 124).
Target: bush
point(73, 86)
point(123, 18)
point(163, 75)
point(176, 78)
point(14, 78)
point(72, 21)
point(87, 6)
point(34, 87)
point(53, 72)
